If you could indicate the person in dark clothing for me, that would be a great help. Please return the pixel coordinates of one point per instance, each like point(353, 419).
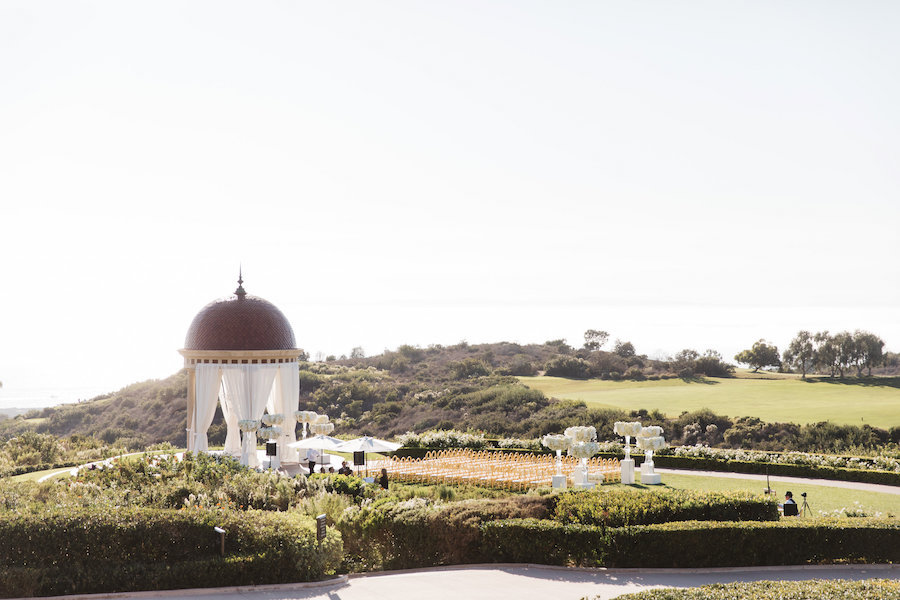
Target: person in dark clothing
point(383, 480)
point(345, 469)
point(312, 467)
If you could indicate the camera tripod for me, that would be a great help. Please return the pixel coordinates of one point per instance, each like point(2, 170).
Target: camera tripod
point(805, 506)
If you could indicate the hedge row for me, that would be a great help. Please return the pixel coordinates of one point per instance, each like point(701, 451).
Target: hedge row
point(620, 507)
point(131, 549)
point(692, 544)
point(735, 466)
point(869, 589)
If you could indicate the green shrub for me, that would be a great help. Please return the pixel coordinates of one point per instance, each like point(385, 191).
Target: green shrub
point(616, 508)
point(869, 589)
point(99, 550)
point(693, 544)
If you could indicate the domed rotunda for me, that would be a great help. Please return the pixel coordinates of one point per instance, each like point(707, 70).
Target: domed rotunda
point(241, 355)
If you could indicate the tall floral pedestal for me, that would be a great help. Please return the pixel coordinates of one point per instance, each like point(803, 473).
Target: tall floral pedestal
point(627, 471)
point(581, 480)
point(648, 475)
point(559, 482)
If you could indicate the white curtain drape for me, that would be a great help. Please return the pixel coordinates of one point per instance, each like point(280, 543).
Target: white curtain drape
point(251, 385)
point(207, 392)
point(229, 411)
point(287, 401)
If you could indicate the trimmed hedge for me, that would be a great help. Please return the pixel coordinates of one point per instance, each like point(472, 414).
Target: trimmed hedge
point(693, 544)
point(869, 589)
point(620, 507)
point(132, 549)
point(736, 466)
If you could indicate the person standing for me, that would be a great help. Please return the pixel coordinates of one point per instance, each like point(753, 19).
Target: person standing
point(383, 480)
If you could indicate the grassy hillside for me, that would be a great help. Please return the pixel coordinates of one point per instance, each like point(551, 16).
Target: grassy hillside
point(775, 398)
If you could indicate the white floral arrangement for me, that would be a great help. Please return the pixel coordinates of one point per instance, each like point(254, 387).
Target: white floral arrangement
point(625, 428)
point(321, 428)
point(273, 419)
point(320, 419)
point(654, 443)
point(651, 431)
point(556, 442)
point(269, 433)
point(584, 449)
point(304, 416)
point(581, 433)
point(247, 425)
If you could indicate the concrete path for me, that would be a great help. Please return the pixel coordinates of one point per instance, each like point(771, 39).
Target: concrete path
point(522, 582)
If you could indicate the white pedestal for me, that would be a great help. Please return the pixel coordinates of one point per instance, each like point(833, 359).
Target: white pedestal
point(628, 471)
point(585, 485)
point(649, 476)
point(559, 482)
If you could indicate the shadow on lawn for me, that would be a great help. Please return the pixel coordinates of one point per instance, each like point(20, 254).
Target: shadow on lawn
point(893, 382)
point(703, 380)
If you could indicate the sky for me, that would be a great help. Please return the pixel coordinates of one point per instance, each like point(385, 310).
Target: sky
point(682, 175)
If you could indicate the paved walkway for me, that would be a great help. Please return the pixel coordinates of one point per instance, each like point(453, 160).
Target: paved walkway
point(522, 582)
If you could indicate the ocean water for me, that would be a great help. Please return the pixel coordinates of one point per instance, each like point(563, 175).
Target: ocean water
point(30, 398)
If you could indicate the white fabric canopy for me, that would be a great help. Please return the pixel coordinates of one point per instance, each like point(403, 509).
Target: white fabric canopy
point(207, 392)
point(250, 385)
point(285, 399)
point(229, 411)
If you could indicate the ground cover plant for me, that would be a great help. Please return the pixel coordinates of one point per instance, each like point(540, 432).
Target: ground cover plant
point(870, 589)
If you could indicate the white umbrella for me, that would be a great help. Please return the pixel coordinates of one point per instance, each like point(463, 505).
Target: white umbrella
point(318, 442)
point(322, 442)
point(367, 444)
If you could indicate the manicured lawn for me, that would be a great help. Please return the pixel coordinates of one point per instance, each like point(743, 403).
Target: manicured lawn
point(776, 399)
point(820, 498)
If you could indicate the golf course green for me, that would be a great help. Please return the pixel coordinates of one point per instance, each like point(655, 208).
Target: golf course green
point(772, 398)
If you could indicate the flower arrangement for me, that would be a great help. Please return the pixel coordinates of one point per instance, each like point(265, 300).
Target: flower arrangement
point(443, 439)
point(584, 450)
point(581, 434)
point(651, 431)
point(627, 429)
point(247, 425)
point(273, 419)
point(304, 416)
point(269, 433)
point(321, 428)
point(556, 442)
point(320, 419)
point(653, 444)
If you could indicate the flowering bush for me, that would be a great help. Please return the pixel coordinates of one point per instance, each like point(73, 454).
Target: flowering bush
point(878, 463)
point(440, 440)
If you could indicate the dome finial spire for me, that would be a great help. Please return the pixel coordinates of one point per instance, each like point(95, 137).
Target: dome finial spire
point(239, 292)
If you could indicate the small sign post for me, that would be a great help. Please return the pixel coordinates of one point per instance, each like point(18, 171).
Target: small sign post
point(320, 528)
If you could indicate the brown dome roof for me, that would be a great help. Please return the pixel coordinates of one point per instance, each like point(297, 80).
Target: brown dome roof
point(241, 322)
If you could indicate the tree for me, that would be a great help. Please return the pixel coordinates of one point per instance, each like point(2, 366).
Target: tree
point(869, 351)
point(826, 352)
point(624, 349)
point(594, 339)
point(357, 352)
point(801, 353)
point(846, 351)
point(684, 362)
point(759, 356)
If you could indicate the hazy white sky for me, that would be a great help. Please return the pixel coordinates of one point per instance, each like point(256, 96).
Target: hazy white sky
point(690, 174)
